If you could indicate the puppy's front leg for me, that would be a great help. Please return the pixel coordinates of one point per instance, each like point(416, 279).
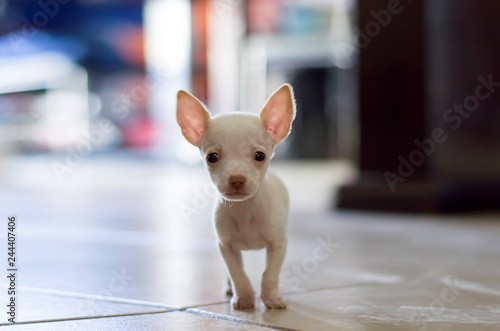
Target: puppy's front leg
point(244, 296)
point(270, 293)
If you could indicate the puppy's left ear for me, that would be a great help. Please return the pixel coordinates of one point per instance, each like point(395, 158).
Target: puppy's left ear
point(278, 113)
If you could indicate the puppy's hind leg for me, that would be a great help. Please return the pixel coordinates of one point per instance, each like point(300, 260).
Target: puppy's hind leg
point(229, 289)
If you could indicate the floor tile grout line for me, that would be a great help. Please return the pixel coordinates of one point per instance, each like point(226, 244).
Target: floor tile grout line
point(87, 318)
point(192, 309)
point(135, 302)
point(188, 311)
point(235, 319)
point(69, 294)
point(79, 295)
point(197, 306)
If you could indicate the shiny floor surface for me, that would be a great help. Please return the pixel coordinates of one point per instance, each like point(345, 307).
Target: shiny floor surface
point(128, 245)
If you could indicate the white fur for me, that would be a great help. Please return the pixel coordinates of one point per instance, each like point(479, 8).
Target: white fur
point(252, 209)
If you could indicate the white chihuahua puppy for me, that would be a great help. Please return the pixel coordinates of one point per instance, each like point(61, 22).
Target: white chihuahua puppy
point(252, 210)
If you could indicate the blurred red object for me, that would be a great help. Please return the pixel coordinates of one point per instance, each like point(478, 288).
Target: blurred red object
point(129, 42)
point(141, 133)
point(263, 15)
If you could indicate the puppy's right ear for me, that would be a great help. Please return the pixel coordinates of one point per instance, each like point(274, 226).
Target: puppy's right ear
point(192, 117)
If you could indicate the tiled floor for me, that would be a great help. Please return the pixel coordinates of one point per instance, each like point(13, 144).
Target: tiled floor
point(129, 246)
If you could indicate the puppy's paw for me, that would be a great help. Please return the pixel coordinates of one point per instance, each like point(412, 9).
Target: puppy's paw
point(275, 303)
point(243, 302)
point(274, 300)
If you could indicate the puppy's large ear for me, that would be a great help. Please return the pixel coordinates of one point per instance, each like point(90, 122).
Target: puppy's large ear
point(192, 117)
point(278, 113)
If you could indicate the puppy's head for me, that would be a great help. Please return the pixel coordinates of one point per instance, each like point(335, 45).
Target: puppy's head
point(237, 147)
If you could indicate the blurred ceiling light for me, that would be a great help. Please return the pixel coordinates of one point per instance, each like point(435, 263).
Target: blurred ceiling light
point(168, 52)
point(168, 34)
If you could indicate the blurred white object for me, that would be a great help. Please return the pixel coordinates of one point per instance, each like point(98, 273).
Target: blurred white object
point(168, 55)
point(261, 52)
point(4, 157)
point(60, 112)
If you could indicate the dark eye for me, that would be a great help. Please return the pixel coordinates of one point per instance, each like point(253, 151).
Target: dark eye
point(259, 156)
point(213, 157)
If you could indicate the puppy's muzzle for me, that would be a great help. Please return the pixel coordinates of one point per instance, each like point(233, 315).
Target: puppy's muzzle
point(237, 183)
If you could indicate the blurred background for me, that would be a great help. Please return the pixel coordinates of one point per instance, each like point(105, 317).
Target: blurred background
point(89, 79)
point(398, 111)
point(69, 66)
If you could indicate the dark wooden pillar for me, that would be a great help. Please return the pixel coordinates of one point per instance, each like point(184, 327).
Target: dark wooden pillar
point(391, 82)
point(427, 141)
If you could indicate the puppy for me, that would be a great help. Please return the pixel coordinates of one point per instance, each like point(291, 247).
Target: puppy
point(252, 209)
